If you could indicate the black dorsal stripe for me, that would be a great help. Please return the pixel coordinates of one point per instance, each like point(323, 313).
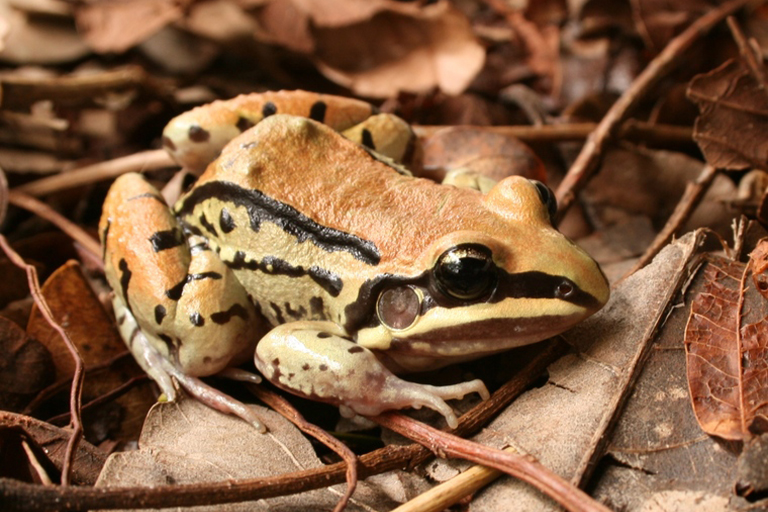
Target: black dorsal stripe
point(163, 240)
point(262, 208)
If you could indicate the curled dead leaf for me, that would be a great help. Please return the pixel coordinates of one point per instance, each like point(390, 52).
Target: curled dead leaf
point(731, 102)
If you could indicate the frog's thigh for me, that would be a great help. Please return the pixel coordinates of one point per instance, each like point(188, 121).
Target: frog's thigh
point(316, 360)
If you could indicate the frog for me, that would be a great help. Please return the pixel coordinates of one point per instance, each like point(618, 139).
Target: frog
point(306, 247)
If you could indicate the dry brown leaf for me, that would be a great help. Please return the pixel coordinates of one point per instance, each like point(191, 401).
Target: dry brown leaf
point(734, 117)
point(391, 52)
point(52, 442)
point(75, 306)
point(117, 26)
point(25, 367)
point(726, 343)
point(37, 40)
point(187, 442)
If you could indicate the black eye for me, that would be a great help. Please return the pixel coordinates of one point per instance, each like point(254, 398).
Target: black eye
point(548, 198)
point(466, 272)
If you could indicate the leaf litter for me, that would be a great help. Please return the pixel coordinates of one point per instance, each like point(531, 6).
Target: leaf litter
point(615, 414)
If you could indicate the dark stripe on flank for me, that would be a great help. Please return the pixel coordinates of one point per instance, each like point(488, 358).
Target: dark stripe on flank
point(162, 240)
point(104, 240)
point(160, 313)
point(262, 208)
point(327, 280)
point(317, 111)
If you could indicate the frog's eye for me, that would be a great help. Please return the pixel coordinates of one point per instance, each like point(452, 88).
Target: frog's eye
point(466, 272)
point(548, 198)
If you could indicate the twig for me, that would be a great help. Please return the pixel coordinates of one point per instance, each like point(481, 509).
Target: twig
point(694, 193)
point(524, 467)
point(591, 153)
point(144, 161)
point(77, 379)
point(748, 54)
point(44, 211)
point(18, 496)
point(282, 406)
point(442, 496)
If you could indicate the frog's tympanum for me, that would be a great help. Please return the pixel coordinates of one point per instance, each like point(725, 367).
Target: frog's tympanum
point(305, 243)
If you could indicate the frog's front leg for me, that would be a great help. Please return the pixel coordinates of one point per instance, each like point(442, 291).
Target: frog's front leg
point(318, 361)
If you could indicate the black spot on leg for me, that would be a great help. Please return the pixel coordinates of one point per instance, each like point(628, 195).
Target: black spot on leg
point(226, 222)
point(268, 109)
point(104, 240)
point(317, 307)
point(276, 362)
point(323, 335)
point(197, 319)
point(222, 317)
point(162, 240)
point(367, 139)
point(355, 350)
point(125, 279)
point(243, 123)
point(160, 313)
point(198, 134)
point(121, 320)
point(323, 367)
point(305, 366)
point(317, 111)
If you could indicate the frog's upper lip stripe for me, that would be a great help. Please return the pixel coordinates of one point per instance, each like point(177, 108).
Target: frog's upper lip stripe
point(262, 208)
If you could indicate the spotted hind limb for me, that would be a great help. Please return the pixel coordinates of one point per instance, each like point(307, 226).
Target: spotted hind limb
point(318, 361)
point(181, 310)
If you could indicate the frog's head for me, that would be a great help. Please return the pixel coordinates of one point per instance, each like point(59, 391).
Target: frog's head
point(508, 280)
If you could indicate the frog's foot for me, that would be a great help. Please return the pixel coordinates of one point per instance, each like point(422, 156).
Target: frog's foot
point(163, 372)
point(316, 360)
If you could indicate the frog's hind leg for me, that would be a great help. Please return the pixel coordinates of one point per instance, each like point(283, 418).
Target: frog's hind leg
point(182, 312)
point(316, 360)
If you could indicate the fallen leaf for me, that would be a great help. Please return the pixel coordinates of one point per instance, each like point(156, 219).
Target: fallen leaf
point(75, 306)
point(726, 343)
point(25, 367)
point(731, 102)
point(187, 442)
point(118, 26)
point(51, 443)
point(392, 52)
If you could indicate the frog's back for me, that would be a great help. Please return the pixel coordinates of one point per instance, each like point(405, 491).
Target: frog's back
point(311, 221)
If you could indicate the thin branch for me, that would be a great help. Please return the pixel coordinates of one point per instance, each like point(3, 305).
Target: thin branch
point(138, 162)
point(747, 54)
point(77, 379)
point(589, 157)
point(44, 211)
